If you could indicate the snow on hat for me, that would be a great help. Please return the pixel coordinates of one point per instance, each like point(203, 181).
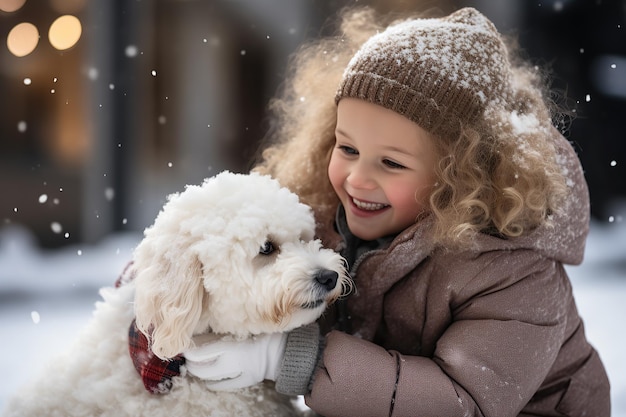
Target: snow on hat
point(440, 73)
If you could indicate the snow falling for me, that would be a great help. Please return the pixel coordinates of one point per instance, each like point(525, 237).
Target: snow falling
point(56, 227)
point(35, 317)
point(131, 51)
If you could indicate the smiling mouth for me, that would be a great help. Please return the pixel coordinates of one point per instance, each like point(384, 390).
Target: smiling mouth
point(367, 206)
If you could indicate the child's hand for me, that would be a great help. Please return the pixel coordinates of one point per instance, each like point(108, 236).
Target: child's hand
point(227, 364)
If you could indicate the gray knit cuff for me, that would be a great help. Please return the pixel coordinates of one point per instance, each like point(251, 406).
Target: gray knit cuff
point(300, 360)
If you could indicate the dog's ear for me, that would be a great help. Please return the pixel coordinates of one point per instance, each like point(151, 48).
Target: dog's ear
point(169, 300)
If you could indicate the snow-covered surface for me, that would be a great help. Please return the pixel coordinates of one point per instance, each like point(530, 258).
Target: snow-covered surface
point(46, 297)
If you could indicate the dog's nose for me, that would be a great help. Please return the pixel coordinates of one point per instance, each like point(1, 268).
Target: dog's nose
point(327, 278)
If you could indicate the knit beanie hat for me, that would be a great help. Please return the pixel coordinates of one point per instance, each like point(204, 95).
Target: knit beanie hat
point(441, 73)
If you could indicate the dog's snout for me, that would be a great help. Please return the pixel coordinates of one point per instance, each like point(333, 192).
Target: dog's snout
point(327, 278)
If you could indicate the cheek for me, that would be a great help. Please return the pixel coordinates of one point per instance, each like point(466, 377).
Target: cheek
point(335, 172)
point(423, 194)
point(411, 198)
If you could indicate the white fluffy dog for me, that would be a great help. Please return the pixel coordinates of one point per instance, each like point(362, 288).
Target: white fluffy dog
point(236, 256)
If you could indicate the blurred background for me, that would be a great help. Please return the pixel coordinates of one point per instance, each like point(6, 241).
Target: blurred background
point(107, 106)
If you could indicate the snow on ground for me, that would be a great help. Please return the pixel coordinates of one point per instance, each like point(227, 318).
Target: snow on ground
point(46, 297)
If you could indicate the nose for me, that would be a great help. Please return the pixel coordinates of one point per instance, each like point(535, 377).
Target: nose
point(360, 177)
point(326, 278)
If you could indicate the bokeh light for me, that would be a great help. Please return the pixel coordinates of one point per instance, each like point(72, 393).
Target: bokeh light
point(65, 32)
point(23, 39)
point(10, 6)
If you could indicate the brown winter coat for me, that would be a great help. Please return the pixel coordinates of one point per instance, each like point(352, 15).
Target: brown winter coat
point(493, 331)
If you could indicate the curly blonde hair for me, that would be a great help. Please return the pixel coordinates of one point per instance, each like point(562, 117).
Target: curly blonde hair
point(498, 177)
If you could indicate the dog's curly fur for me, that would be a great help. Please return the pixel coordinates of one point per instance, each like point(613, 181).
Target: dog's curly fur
point(235, 256)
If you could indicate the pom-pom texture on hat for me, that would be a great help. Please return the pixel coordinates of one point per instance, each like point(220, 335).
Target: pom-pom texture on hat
point(440, 73)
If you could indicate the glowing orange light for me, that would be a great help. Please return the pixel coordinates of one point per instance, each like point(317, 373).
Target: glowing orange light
point(65, 32)
point(10, 6)
point(23, 39)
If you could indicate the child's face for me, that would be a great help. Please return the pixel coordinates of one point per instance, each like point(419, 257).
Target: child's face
point(382, 168)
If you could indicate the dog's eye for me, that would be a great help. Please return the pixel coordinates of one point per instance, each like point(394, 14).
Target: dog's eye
point(268, 248)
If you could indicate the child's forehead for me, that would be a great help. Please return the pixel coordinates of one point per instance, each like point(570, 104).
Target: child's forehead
point(365, 122)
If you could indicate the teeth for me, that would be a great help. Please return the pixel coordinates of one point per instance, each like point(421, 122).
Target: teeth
point(368, 206)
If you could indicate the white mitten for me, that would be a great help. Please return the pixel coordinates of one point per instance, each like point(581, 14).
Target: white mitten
point(227, 364)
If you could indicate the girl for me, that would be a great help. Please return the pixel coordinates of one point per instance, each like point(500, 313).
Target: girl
point(438, 175)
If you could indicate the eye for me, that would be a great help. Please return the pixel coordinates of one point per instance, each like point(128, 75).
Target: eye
point(348, 150)
point(268, 248)
point(392, 164)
